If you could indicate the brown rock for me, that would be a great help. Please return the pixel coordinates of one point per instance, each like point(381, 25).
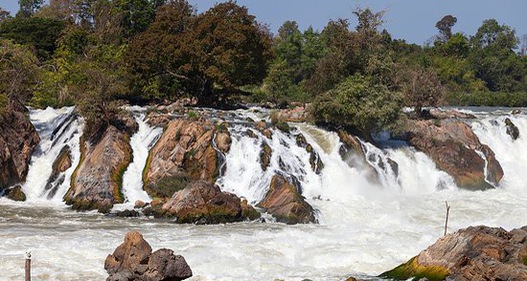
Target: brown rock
point(284, 202)
point(18, 139)
point(203, 202)
point(511, 129)
point(454, 148)
point(134, 260)
point(15, 193)
point(265, 156)
point(352, 153)
point(474, 253)
point(296, 114)
point(96, 182)
point(60, 165)
point(185, 151)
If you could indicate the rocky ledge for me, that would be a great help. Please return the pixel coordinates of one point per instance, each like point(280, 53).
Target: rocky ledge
point(134, 260)
point(474, 253)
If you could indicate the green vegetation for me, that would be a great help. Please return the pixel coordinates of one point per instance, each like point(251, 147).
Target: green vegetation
point(97, 54)
point(412, 269)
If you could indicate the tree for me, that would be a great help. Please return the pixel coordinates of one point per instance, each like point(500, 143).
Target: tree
point(421, 87)
point(38, 32)
point(29, 7)
point(359, 105)
point(4, 15)
point(445, 27)
point(18, 71)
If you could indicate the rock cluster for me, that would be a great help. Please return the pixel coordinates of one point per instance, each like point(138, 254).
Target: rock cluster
point(474, 253)
point(134, 260)
point(455, 149)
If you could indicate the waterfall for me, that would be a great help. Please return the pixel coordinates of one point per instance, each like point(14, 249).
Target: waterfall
point(141, 142)
point(58, 129)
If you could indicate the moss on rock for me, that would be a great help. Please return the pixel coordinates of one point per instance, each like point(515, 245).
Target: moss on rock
point(413, 270)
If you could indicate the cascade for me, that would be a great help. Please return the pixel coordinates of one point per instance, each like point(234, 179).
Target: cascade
point(57, 129)
point(141, 142)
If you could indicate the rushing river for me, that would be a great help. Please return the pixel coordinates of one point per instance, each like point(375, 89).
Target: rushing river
point(364, 228)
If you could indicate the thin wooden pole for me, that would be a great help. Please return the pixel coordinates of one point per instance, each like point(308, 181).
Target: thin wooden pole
point(28, 266)
point(447, 212)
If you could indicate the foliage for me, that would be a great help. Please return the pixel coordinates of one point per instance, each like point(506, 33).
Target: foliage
point(445, 27)
point(37, 32)
point(358, 104)
point(421, 87)
point(518, 99)
point(18, 70)
point(29, 7)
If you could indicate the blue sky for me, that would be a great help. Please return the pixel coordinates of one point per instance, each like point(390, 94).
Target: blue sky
point(412, 20)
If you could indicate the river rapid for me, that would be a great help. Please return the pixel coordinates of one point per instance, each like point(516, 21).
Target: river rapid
point(364, 228)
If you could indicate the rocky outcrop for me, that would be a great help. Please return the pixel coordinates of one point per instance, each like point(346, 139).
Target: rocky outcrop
point(134, 260)
point(184, 153)
point(285, 203)
point(449, 114)
point(265, 156)
point(314, 159)
point(455, 149)
point(297, 114)
point(18, 139)
point(60, 165)
point(96, 182)
point(511, 129)
point(475, 253)
point(351, 152)
point(203, 203)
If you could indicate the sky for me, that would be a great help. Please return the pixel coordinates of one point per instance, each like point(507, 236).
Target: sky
point(411, 20)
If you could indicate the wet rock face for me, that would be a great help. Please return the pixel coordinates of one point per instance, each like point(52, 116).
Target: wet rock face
point(185, 151)
point(18, 139)
point(15, 193)
point(204, 203)
point(96, 181)
point(314, 159)
point(134, 260)
point(284, 202)
point(474, 253)
point(455, 149)
point(512, 130)
point(60, 165)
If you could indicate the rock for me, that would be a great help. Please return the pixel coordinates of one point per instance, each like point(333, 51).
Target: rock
point(516, 111)
point(314, 159)
point(139, 204)
point(97, 180)
point(455, 149)
point(449, 114)
point(512, 130)
point(18, 140)
point(296, 114)
point(134, 260)
point(284, 202)
point(248, 211)
point(15, 193)
point(127, 214)
point(352, 153)
point(203, 202)
point(184, 153)
point(265, 156)
point(60, 165)
point(474, 253)
point(264, 129)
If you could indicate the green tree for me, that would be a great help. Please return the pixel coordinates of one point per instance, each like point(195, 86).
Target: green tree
point(359, 105)
point(421, 87)
point(18, 71)
point(29, 7)
point(445, 27)
point(4, 15)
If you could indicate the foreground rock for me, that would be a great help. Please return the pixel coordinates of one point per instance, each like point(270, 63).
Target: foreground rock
point(185, 153)
point(18, 139)
point(97, 180)
point(203, 203)
point(475, 253)
point(134, 260)
point(284, 202)
point(15, 194)
point(455, 149)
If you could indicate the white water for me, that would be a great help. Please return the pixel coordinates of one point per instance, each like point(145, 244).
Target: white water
point(141, 142)
point(364, 229)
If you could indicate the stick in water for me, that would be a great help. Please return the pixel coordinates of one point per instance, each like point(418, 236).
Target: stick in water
point(446, 220)
point(28, 266)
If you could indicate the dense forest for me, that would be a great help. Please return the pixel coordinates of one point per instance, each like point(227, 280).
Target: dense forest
point(99, 54)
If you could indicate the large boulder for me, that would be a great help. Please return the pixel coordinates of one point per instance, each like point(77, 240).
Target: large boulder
point(15, 193)
point(455, 149)
point(204, 203)
point(96, 182)
point(18, 139)
point(134, 260)
point(185, 152)
point(352, 153)
point(285, 203)
point(474, 253)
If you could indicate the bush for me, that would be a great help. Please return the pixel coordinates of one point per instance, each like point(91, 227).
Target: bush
point(359, 105)
point(488, 99)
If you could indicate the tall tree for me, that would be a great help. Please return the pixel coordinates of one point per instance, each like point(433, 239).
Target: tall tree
point(445, 27)
point(4, 14)
point(18, 71)
point(29, 7)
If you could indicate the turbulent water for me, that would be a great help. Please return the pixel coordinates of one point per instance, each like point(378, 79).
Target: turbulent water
point(366, 227)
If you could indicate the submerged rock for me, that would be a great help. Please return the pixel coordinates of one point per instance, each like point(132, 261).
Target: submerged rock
point(18, 140)
point(134, 260)
point(204, 203)
point(184, 153)
point(284, 202)
point(474, 253)
point(265, 156)
point(512, 130)
point(96, 182)
point(455, 149)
